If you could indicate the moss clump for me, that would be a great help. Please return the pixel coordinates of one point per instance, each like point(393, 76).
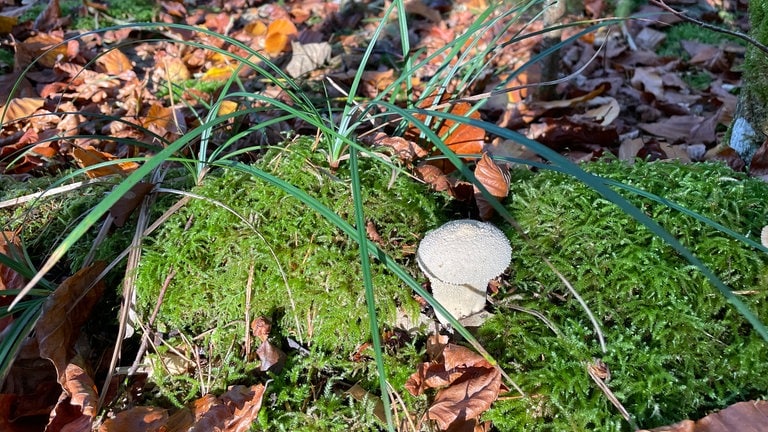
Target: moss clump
point(676, 349)
point(306, 272)
point(692, 32)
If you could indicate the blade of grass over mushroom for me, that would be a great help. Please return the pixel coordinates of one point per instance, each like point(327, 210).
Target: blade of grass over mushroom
point(597, 184)
point(370, 298)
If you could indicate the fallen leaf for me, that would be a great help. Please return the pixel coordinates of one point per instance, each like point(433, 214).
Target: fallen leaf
point(739, 417)
point(125, 206)
point(20, 108)
point(64, 313)
point(460, 138)
point(648, 79)
point(471, 385)
point(279, 33)
point(272, 358)
point(77, 404)
point(307, 57)
point(87, 156)
point(759, 165)
point(495, 178)
point(114, 62)
point(136, 419)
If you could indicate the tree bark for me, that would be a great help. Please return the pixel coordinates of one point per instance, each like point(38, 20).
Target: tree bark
point(749, 128)
point(550, 68)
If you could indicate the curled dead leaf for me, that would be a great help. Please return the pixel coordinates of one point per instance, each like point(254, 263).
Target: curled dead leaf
point(495, 178)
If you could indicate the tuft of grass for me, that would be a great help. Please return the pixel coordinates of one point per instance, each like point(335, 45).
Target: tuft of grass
point(676, 349)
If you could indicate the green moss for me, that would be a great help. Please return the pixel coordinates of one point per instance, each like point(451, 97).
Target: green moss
point(676, 349)
point(131, 11)
point(306, 273)
point(689, 31)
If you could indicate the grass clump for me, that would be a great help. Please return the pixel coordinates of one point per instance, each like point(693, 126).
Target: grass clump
point(306, 273)
point(676, 349)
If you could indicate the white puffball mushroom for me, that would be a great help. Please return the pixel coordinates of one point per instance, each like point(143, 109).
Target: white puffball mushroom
point(460, 258)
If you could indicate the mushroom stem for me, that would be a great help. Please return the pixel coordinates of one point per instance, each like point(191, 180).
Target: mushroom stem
point(459, 300)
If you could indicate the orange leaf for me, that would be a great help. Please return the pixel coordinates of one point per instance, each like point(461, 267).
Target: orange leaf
point(136, 419)
point(275, 43)
point(227, 107)
point(495, 178)
point(279, 33)
point(460, 138)
point(114, 62)
point(49, 47)
point(87, 156)
point(18, 108)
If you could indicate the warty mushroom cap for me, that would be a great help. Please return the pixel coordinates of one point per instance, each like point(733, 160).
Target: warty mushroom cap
point(463, 252)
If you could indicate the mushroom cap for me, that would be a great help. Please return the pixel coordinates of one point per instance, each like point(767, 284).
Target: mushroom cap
point(463, 252)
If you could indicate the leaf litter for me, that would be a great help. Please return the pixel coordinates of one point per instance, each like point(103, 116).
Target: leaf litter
point(623, 101)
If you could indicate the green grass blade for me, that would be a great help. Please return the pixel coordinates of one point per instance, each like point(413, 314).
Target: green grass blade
point(370, 298)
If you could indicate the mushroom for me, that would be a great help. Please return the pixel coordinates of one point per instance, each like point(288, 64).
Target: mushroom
point(460, 258)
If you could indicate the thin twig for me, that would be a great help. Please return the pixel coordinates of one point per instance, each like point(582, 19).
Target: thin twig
point(745, 37)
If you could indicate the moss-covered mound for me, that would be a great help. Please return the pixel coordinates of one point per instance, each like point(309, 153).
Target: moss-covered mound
point(676, 349)
point(306, 272)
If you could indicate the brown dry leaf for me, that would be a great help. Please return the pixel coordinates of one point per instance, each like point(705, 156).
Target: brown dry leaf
point(433, 176)
point(495, 178)
point(568, 133)
point(759, 165)
point(47, 47)
point(137, 419)
point(739, 417)
point(49, 18)
point(260, 328)
point(19, 108)
point(272, 358)
point(87, 156)
point(234, 411)
point(10, 246)
point(64, 313)
point(125, 206)
point(471, 386)
point(279, 33)
point(78, 402)
point(673, 128)
point(164, 120)
point(174, 69)
point(405, 150)
point(114, 62)
point(648, 79)
point(461, 138)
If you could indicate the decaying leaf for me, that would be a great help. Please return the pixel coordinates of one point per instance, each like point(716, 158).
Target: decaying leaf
point(64, 313)
point(10, 246)
point(19, 108)
point(87, 156)
point(458, 137)
point(495, 178)
point(739, 417)
point(141, 418)
point(469, 385)
point(125, 206)
point(279, 34)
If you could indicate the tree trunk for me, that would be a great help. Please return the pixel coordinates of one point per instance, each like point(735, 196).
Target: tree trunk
point(550, 68)
point(749, 128)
